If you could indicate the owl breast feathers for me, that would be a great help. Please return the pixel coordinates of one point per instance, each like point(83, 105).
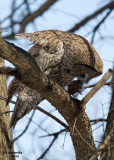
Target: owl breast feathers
point(60, 55)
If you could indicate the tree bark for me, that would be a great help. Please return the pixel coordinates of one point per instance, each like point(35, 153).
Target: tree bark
point(109, 154)
point(5, 137)
point(82, 136)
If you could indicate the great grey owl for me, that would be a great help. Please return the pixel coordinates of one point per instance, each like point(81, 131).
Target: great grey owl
point(60, 55)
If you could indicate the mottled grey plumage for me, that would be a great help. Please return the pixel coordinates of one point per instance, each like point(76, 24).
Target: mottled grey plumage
point(60, 55)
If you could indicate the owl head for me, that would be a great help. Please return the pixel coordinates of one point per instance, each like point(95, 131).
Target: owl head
point(82, 59)
point(84, 73)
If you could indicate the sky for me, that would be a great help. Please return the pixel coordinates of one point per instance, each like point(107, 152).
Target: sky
point(63, 15)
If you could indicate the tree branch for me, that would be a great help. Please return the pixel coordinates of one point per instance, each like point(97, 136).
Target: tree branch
point(53, 134)
point(28, 68)
point(98, 120)
point(97, 87)
point(37, 13)
point(9, 71)
point(3, 129)
point(52, 142)
point(99, 24)
point(107, 83)
point(55, 137)
point(90, 17)
point(110, 123)
point(28, 18)
point(25, 128)
point(53, 117)
point(41, 110)
point(1, 114)
point(103, 145)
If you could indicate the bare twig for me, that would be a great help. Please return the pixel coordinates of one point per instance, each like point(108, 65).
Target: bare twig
point(106, 59)
point(53, 117)
point(41, 110)
point(5, 99)
point(97, 120)
point(90, 17)
point(53, 134)
point(25, 128)
point(107, 83)
point(99, 24)
point(13, 10)
point(64, 141)
point(96, 87)
point(74, 126)
point(8, 71)
point(4, 131)
point(5, 112)
point(99, 150)
point(103, 116)
point(55, 137)
point(37, 13)
point(42, 156)
point(27, 18)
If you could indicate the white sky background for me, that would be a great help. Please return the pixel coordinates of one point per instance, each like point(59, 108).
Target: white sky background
point(62, 16)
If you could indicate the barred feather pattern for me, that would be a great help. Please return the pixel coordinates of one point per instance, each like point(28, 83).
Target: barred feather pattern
point(60, 55)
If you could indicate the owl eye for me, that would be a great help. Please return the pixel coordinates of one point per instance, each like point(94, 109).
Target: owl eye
point(82, 74)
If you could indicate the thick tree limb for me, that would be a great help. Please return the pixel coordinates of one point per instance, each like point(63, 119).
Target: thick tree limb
point(90, 17)
point(5, 137)
point(28, 68)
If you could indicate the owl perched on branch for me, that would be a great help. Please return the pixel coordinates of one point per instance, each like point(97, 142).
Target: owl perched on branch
point(62, 56)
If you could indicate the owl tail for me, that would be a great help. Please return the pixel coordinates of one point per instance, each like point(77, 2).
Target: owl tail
point(26, 101)
point(12, 89)
point(20, 111)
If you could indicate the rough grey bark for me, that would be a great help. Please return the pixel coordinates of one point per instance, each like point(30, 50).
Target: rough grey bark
point(109, 154)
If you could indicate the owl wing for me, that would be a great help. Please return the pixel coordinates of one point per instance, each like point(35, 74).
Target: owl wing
point(48, 52)
point(48, 48)
point(27, 99)
point(12, 89)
